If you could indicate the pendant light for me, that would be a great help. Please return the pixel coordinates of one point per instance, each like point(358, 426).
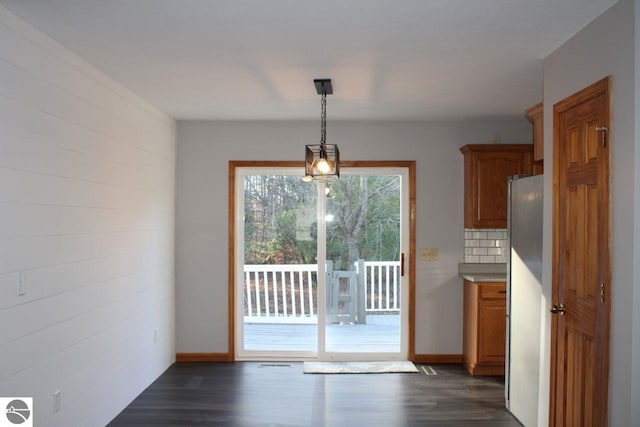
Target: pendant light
point(322, 161)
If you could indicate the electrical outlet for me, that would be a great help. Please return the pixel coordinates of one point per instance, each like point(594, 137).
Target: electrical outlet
point(56, 401)
point(20, 284)
point(428, 254)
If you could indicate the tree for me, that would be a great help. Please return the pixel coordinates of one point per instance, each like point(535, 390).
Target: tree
point(274, 205)
point(280, 219)
point(366, 212)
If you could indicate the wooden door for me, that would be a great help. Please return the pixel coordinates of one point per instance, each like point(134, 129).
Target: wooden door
point(581, 259)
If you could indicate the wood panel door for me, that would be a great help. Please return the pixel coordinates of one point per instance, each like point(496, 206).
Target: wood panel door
point(581, 259)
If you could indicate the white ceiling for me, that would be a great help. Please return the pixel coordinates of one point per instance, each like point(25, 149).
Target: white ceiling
point(256, 59)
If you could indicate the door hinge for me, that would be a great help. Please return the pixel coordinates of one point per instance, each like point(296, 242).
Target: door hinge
point(604, 131)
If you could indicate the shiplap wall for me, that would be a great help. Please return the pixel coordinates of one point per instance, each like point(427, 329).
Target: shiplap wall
point(87, 179)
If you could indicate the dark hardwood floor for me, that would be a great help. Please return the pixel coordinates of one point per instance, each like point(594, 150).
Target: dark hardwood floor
point(261, 394)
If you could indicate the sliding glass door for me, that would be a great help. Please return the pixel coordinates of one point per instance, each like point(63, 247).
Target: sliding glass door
point(319, 265)
point(278, 262)
point(363, 258)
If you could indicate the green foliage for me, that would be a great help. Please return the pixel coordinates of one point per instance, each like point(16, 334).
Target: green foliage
point(280, 224)
point(366, 224)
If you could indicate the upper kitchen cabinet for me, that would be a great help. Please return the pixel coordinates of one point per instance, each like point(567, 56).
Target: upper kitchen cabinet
point(486, 169)
point(534, 115)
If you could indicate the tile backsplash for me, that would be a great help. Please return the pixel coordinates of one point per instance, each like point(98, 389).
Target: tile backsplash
point(485, 245)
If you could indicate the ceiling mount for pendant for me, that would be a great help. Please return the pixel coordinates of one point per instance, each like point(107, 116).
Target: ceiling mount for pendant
point(322, 161)
point(323, 86)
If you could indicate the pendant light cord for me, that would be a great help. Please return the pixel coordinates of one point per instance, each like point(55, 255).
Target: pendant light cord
point(323, 119)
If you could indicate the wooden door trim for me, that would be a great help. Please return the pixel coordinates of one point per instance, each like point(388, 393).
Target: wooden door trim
point(601, 87)
point(409, 164)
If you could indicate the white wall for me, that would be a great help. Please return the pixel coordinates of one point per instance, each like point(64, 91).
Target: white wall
point(604, 47)
point(635, 377)
point(204, 149)
point(87, 173)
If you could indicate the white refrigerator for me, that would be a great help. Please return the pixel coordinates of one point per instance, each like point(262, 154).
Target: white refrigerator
point(524, 298)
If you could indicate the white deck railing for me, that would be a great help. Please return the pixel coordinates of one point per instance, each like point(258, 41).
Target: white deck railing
point(382, 282)
point(280, 291)
point(288, 293)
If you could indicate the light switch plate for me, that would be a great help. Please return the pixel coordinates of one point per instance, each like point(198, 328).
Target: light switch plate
point(428, 254)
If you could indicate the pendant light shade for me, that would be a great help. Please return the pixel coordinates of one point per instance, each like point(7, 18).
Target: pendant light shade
point(322, 161)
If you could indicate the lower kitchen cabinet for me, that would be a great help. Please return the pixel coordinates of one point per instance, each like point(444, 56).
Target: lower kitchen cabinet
point(484, 327)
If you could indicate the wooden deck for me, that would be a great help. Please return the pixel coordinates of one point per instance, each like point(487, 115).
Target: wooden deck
point(381, 334)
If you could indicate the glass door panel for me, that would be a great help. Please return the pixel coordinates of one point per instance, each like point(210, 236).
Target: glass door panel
point(279, 268)
point(363, 252)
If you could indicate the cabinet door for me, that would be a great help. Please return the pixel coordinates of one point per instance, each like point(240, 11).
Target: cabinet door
point(535, 116)
point(492, 171)
point(491, 330)
point(470, 325)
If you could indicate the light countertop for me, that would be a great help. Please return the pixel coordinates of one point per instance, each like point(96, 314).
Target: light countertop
point(484, 277)
point(483, 272)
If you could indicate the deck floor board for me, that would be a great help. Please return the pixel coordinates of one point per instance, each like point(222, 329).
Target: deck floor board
point(381, 334)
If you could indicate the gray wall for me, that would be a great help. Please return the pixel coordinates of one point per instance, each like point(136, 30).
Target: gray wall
point(635, 375)
point(204, 149)
point(604, 47)
point(87, 173)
